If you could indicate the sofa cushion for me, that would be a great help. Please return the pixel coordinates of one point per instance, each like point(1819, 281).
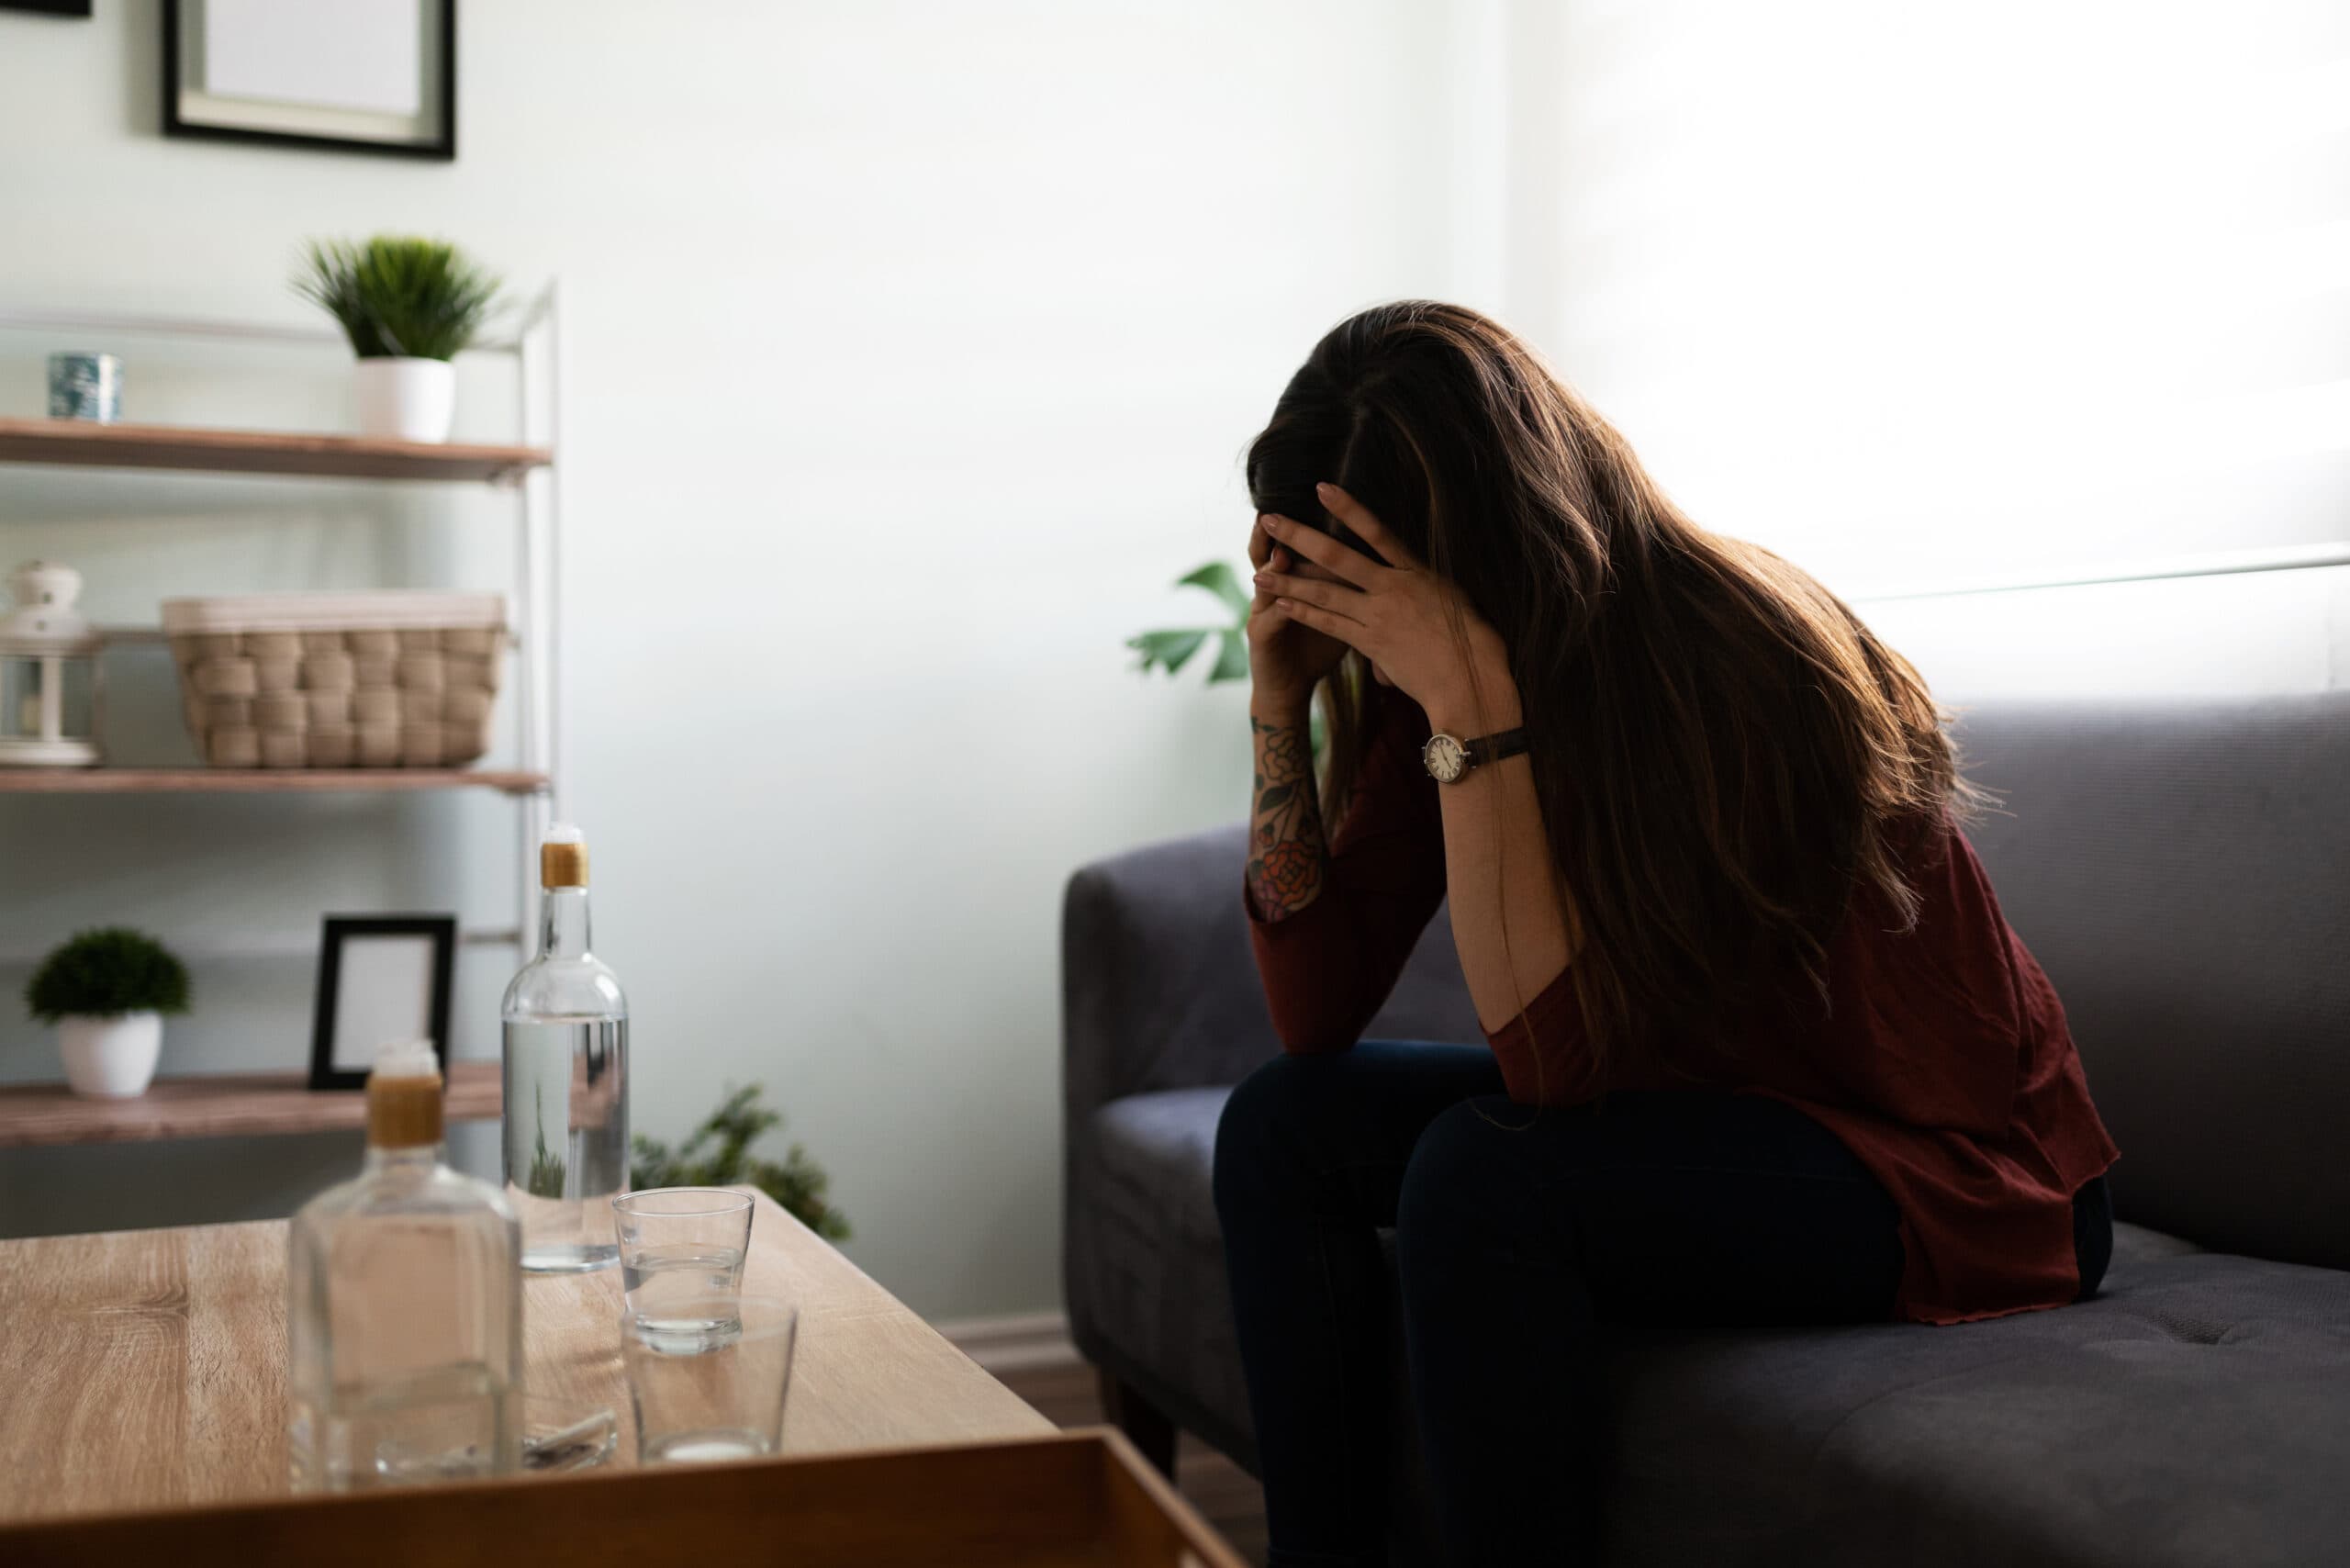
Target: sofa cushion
point(2193, 1412)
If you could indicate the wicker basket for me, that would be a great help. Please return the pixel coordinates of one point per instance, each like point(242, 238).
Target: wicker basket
point(392, 679)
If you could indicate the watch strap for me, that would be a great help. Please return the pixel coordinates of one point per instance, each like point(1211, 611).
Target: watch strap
point(1495, 748)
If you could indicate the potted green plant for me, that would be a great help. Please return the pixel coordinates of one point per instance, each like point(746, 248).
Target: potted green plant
point(1171, 650)
point(719, 1155)
point(106, 991)
point(409, 305)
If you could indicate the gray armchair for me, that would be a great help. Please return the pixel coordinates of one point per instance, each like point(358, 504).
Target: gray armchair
point(2183, 871)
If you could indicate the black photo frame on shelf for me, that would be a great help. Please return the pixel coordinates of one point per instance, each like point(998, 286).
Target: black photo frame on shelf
point(251, 70)
point(382, 978)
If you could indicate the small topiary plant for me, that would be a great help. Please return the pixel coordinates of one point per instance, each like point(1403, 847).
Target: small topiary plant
point(106, 973)
point(396, 294)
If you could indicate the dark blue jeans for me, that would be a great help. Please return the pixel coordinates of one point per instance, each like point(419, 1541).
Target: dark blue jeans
point(1517, 1232)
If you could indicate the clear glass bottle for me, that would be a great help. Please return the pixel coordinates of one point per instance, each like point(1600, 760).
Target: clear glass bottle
point(566, 1079)
point(404, 1310)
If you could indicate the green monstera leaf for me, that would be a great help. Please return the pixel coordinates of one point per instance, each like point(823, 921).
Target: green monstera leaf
point(1171, 650)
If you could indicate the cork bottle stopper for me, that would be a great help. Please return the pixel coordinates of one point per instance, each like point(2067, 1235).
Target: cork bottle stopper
point(404, 1097)
point(562, 857)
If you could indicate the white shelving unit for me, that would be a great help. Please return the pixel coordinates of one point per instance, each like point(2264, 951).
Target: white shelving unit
point(525, 469)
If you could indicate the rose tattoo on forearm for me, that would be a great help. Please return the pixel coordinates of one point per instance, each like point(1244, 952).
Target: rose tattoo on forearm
point(1285, 847)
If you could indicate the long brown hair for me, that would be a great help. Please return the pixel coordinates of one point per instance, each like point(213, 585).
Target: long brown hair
point(1726, 755)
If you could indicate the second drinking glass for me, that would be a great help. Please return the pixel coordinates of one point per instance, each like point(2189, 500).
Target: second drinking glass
point(681, 1258)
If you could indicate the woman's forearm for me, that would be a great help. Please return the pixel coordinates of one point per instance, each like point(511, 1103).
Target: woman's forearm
point(1509, 921)
point(1287, 853)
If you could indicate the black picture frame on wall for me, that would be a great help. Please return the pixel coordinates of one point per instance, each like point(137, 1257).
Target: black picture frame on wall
point(188, 111)
point(396, 988)
point(49, 7)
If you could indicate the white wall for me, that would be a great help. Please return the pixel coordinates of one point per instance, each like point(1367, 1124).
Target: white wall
point(1913, 293)
point(910, 350)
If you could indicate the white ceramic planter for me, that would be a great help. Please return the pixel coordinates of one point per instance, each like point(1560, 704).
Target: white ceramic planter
point(113, 1057)
point(406, 399)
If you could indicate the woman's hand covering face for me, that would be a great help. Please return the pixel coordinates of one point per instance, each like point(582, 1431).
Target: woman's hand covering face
point(1409, 621)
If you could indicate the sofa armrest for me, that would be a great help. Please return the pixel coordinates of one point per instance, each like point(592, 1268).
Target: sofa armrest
point(1159, 987)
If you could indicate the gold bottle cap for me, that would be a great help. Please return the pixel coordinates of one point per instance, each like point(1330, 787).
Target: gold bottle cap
point(562, 857)
point(404, 1097)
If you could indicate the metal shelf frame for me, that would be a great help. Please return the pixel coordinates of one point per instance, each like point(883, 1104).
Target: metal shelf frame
point(534, 343)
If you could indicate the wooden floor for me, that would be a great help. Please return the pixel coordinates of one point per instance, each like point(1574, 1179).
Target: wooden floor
point(1225, 1494)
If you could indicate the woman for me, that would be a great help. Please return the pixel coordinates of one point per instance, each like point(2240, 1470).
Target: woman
point(1760, 1048)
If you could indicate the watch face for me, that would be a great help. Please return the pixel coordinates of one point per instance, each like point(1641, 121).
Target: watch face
point(1445, 759)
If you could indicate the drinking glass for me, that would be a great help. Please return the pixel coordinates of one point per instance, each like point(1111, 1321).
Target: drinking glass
point(679, 1244)
point(720, 1400)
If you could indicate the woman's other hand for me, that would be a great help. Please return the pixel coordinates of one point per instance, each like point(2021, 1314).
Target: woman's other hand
point(1413, 627)
point(1286, 659)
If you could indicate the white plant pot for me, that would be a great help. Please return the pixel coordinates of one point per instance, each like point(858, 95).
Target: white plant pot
point(111, 1057)
point(406, 399)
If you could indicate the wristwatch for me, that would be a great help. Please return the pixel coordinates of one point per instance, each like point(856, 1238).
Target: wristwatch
point(1449, 759)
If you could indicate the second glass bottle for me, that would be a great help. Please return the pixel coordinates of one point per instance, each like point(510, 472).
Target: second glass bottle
point(566, 1036)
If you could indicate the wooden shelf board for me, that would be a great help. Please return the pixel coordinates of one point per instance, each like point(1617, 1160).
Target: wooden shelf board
point(260, 780)
point(80, 443)
point(41, 1115)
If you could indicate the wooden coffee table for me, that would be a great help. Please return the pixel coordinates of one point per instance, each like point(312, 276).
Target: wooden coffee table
point(147, 1369)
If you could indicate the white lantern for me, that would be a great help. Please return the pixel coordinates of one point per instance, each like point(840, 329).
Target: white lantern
point(52, 693)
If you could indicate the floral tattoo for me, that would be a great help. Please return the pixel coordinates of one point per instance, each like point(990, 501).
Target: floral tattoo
point(1286, 848)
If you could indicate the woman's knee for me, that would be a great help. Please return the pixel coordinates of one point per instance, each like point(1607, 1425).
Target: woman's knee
point(1312, 1116)
point(1463, 1176)
point(1259, 1119)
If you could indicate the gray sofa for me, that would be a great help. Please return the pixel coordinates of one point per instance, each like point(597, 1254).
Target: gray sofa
point(2183, 871)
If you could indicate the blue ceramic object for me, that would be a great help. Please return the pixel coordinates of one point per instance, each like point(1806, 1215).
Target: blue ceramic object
point(85, 386)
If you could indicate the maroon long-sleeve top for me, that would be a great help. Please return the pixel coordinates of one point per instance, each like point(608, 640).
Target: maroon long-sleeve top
point(1941, 1057)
